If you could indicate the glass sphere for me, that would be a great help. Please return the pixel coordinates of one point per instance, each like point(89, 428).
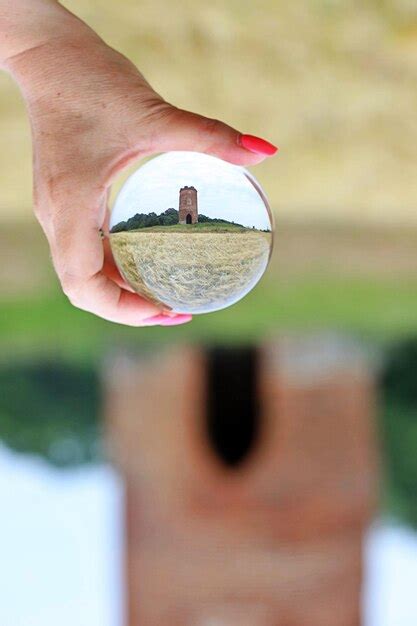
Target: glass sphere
point(190, 232)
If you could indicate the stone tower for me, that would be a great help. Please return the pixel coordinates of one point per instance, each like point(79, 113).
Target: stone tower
point(275, 540)
point(188, 210)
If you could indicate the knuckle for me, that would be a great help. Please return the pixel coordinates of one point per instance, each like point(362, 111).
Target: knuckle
point(74, 289)
point(52, 216)
point(53, 185)
point(211, 126)
point(158, 109)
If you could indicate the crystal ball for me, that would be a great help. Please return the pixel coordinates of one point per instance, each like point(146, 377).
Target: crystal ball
point(191, 232)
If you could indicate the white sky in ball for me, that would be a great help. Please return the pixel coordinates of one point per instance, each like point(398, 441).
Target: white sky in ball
point(223, 189)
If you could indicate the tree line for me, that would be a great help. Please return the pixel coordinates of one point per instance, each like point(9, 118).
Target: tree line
point(167, 218)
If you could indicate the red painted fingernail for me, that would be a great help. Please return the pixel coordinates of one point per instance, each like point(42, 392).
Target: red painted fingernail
point(155, 319)
point(257, 145)
point(165, 320)
point(181, 318)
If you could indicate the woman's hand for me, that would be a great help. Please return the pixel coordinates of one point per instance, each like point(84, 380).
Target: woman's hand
point(92, 114)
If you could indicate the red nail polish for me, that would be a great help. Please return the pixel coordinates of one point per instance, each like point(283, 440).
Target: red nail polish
point(165, 320)
point(257, 145)
point(155, 319)
point(176, 321)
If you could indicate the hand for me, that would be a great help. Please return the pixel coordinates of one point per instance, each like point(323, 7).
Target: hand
point(92, 114)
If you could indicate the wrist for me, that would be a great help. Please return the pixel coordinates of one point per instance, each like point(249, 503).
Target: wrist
point(27, 25)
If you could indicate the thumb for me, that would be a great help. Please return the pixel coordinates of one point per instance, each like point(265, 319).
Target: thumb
point(183, 130)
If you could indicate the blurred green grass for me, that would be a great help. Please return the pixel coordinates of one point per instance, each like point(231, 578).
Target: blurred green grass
point(376, 309)
point(354, 280)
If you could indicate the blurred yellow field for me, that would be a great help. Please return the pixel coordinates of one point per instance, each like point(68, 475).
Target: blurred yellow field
point(192, 272)
point(332, 82)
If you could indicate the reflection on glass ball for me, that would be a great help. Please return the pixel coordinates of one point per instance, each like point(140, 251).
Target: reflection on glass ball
point(191, 232)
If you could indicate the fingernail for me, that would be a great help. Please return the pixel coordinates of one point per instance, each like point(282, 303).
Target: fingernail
point(165, 320)
point(155, 319)
point(257, 145)
point(177, 320)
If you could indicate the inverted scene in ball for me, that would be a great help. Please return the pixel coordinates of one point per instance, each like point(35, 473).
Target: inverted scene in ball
point(191, 232)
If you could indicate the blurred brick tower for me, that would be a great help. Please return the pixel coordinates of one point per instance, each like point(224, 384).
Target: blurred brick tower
point(263, 532)
point(188, 210)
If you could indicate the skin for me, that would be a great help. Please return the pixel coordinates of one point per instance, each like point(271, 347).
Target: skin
point(93, 114)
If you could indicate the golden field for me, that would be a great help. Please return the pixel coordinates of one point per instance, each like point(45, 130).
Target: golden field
point(333, 82)
point(193, 272)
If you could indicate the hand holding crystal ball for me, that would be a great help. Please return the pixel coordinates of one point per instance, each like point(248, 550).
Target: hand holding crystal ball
point(92, 114)
point(191, 232)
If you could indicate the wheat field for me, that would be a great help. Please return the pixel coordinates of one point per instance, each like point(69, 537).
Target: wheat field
point(192, 272)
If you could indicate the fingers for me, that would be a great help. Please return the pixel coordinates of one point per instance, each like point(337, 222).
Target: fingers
point(91, 281)
point(182, 130)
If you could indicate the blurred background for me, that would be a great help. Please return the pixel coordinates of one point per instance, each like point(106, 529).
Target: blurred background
point(334, 84)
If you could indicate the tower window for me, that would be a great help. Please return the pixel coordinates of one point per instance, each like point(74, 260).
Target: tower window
point(233, 406)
